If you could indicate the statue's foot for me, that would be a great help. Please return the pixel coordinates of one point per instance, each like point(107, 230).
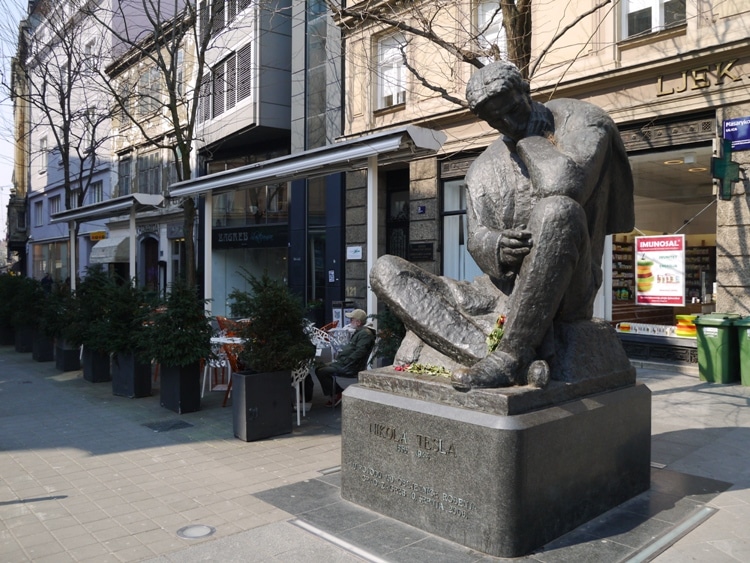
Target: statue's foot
point(499, 369)
point(538, 374)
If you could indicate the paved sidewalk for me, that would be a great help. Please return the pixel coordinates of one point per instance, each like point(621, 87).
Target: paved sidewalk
point(85, 477)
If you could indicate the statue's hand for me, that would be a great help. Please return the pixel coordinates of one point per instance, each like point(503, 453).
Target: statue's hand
point(515, 244)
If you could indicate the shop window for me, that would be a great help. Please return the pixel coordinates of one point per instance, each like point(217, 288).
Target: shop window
point(649, 16)
point(261, 205)
point(391, 72)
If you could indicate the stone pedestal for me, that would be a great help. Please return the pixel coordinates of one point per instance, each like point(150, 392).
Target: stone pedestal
point(490, 478)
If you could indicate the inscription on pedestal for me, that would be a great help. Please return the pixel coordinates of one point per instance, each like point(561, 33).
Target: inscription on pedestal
point(502, 485)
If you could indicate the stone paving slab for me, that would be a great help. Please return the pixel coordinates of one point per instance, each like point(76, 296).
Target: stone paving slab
point(83, 478)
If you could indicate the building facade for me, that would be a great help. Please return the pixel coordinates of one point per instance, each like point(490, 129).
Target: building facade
point(669, 73)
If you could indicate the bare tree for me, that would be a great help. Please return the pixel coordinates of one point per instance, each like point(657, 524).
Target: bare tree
point(466, 39)
point(55, 80)
point(171, 39)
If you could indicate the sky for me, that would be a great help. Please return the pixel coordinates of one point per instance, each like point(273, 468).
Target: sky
point(11, 11)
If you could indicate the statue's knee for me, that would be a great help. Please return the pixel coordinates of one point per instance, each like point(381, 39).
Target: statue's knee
point(560, 216)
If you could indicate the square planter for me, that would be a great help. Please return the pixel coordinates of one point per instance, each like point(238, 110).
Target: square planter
point(7, 335)
point(95, 366)
point(43, 347)
point(180, 388)
point(67, 356)
point(24, 339)
point(260, 404)
point(130, 378)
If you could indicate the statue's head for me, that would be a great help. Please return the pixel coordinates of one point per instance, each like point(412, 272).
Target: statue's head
point(498, 94)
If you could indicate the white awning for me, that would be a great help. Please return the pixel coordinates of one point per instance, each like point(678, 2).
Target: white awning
point(110, 250)
point(109, 208)
point(402, 144)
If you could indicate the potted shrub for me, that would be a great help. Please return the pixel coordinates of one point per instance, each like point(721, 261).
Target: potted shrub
point(57, 321)
point(53, 319)
point(28, 303)
point(8, 288)
point(88, 314)
point(128, 309)
point(275, 342)
point(177, 335)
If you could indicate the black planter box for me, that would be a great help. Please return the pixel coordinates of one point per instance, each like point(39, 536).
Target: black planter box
point(130, 378)
point(67, 357)
point(180, 388)
point(260, 404)
point(24, 339)
point(43, 348)
point(95, 366)
point(7, 335)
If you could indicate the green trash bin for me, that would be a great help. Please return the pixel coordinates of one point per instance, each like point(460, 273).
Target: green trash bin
point(718, 356)
point(743, 341)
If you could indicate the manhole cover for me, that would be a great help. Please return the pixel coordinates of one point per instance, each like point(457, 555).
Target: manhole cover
point(167, 425)
point(195, 531)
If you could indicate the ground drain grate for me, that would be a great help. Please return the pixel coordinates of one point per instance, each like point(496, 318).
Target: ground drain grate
point(196, 531)
point(167, 425)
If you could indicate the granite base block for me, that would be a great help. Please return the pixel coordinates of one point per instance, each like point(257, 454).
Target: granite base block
point(501, 484)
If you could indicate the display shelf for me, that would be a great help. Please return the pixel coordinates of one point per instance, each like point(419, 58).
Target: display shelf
point(699, 259)
point(623, 274)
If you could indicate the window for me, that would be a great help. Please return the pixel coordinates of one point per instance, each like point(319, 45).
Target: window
point(43, 155)
point(123, 177)
point(149, 173)
point(180, 72)
point(74, 195)
point(229, 82)
point(38, 214)
point(54, 205)
point(148, 92)
point(215, 15)
point(391, 78)
point(490, 31)
point(91, 59)
point(649, 16)
point(96, 191)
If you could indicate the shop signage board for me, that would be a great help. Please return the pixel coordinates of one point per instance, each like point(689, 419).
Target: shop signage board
point(660, 270)
point(737, 130)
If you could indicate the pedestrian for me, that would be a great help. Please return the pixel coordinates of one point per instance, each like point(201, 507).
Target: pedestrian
point(350, 360)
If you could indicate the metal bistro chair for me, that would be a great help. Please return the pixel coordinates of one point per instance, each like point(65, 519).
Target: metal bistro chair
point(298, 378)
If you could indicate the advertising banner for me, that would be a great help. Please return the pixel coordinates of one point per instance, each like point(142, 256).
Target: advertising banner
point(660, 270)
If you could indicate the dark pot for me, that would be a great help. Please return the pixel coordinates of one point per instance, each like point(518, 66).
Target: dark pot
point(43, 347)
point(180, 388)
point(95, 366)
point(7, 335)
point(260, 404)
point(130, 378)
point(24, 339)
point(67, 357)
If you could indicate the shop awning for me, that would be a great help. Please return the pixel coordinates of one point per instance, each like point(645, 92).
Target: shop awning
point(130, 205)
point(110, 250)
point(369, 152)
point(109, 208)
point(397, 145)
